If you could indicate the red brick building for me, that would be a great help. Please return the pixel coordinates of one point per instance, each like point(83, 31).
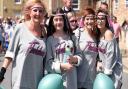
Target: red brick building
point(77, 4)
point(120, 9)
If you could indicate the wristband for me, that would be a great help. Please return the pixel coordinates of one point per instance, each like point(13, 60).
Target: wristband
point(2, 72)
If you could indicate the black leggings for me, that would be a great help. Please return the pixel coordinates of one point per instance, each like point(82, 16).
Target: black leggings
point(81, 88)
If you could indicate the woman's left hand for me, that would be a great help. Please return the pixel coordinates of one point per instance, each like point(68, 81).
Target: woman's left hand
point(72, 59)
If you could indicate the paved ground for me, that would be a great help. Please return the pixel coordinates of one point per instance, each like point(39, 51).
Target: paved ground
point(124, 56)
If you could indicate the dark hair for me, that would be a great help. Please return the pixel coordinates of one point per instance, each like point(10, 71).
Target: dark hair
point(104, 3)
point(51, 29)
point(9, 21)
point(106, 25)
point(124, 23)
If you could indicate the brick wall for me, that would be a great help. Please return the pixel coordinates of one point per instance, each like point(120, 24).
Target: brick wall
point(121, 12)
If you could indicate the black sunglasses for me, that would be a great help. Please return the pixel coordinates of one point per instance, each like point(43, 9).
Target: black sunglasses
point(73, 21)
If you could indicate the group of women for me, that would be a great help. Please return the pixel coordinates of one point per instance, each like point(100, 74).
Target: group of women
point(77, 54)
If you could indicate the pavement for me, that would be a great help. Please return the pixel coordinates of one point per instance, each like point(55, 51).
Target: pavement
point(124, 54)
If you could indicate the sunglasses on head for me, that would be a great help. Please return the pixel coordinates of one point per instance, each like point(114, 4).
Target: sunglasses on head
point(73, 21)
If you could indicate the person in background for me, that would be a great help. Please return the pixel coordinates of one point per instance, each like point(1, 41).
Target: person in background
point(125, 31)
point(63, 55)
point(8, 30)
point(72, 20)
point(1, 35)
point(116, 28)
point(110, 60)
point(27, 49)
point(67, 6)
point(104, 6)
point(86, 36)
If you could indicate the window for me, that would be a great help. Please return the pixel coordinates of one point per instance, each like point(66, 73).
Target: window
point(75, 4)
point(116, 4)
point(103, 0)
point(17, 1)
point(126, 3)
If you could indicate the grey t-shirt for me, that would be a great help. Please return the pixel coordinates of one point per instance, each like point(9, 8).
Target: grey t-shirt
point(86, 72)
point(57, 53)
point(109, 53)
point(27, 52)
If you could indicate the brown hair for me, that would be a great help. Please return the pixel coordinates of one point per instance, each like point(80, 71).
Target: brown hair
point(71, 14)
point(28, 5)
point(88, 11)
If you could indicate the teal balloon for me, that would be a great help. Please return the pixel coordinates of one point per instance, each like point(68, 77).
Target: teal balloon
point(51, 81)
point(102, 81)
point(1, 87)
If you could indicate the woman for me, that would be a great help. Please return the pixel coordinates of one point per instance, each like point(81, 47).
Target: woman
point(86, 72)
point(109, 53)
point(27, 49)
point(63, 55)
point(125, 31)
point(72, 20)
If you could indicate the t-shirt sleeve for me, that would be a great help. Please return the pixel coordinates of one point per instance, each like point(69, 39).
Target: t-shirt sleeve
point(111, 56)
point(13, 45)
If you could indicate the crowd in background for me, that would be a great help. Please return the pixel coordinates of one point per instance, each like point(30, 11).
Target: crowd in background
point(7, 25)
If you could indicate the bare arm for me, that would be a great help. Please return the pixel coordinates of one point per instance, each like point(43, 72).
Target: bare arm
point(5, 65)
point(6, 62)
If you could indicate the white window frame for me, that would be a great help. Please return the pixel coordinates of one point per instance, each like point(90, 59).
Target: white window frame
point(78, 5)
point(19, 1)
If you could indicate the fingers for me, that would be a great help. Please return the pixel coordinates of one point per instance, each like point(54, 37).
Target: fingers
point(66, 66)
point(72, 59)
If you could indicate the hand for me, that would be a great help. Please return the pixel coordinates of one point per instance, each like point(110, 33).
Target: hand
point(72, 59)
point(66, 67)
point(99, 66)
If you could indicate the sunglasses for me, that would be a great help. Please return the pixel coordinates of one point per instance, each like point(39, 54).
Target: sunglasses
point(73, 21)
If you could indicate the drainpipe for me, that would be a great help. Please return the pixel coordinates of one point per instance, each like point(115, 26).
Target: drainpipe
point(111, 7)
point(2, 9)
